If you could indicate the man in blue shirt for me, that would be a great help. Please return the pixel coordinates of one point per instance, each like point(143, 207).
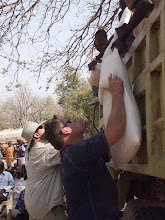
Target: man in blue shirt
point(6, 183)
point(89, 188)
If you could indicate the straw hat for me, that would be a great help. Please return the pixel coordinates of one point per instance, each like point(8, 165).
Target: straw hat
point(29, 130)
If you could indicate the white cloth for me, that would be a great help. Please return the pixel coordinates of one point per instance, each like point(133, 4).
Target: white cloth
point(44, 188)
point(21, 161)
point(125, 18)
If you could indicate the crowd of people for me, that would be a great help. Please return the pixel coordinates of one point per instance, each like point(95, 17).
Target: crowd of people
point(12, 170)
point(8, 183)
point(14, 152)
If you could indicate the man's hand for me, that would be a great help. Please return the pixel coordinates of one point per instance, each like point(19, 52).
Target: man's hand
point(81, 124)
point(115, 85)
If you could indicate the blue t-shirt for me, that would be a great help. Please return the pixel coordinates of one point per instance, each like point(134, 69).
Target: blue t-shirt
point(90, 191)
point(21, 151)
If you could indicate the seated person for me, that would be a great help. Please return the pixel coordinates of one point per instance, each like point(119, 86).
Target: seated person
point(6, 183)
point(21, 172)
point(99, 43)
point(20, 211)
point(141, 9)
point(14, 169)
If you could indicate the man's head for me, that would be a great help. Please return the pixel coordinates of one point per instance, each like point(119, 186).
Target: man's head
point(9, 143)
point(100, 39)
point(53, 132)
point(1, 166)
point(61, 132)
point(19, 141)
point(33, 130)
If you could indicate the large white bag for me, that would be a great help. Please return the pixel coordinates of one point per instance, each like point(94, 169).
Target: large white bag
point(126, 148)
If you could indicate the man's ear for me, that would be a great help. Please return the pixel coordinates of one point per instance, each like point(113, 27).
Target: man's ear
point(66, 130)
point(36, 135)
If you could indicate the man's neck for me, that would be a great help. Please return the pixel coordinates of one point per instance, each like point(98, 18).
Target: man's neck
point(37, 140)
point(71, 141)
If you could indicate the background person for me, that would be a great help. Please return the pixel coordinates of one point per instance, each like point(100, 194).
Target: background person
point(9, 153)
point(90, 190)
point(20, 172)
point(141, 8)
point(19, 212)
point(99, 43)
point(6, 183)
point(14, 169)
point(21, 153)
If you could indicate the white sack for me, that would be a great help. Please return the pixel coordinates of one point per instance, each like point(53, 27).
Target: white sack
point(126, 148)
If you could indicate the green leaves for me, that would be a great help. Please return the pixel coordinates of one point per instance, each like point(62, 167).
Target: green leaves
point(74, 97)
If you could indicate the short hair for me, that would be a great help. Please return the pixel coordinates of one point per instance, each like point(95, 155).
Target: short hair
point(20, 142)
point(1, 165)
point(53, 132)
point(101, 32)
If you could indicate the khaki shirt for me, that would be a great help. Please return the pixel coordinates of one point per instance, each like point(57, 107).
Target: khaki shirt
point(44, 188)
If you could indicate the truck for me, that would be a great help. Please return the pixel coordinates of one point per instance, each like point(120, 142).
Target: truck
point(141, 182)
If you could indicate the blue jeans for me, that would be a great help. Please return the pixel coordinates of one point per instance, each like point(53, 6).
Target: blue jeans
point(95, 91)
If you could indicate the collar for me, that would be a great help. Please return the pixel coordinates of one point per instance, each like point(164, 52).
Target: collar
point(2, 173)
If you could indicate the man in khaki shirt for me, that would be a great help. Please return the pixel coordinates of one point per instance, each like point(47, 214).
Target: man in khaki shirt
point(44, 190)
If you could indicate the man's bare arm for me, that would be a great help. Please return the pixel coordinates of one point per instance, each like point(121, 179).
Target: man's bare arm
point(117, 120)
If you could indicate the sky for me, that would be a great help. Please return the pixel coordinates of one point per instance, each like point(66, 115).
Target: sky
point(27, 77)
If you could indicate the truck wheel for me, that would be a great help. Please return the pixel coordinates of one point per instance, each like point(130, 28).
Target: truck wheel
point(132, 212)
point(152, 213)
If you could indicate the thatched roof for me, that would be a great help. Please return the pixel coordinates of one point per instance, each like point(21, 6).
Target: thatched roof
point(10, 135)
